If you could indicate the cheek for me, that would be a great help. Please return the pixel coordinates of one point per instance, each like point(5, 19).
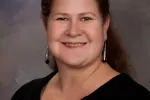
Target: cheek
point(55, 31)
point(94, 32)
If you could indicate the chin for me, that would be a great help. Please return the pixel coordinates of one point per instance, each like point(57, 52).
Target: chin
point(74, 62)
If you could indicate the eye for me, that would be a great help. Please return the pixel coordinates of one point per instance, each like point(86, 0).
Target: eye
point(62, 19)
point(86, 18)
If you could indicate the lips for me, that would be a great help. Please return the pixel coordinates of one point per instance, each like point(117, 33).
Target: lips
point(74, 44)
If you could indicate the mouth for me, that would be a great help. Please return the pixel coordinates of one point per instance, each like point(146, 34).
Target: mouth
point(74, 44)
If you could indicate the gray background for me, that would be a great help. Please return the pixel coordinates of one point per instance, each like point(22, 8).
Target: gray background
point(23, 41)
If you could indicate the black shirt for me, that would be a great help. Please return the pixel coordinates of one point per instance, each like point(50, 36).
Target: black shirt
point(121, 87)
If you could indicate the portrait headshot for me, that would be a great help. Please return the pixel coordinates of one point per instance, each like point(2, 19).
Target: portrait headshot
point(80, 50)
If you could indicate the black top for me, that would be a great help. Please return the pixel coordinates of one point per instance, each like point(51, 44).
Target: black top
point(121, 87)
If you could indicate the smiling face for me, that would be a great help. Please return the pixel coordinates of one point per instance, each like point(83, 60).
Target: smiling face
point(75, 32)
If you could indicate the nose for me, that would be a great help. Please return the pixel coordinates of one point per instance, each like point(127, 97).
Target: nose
point(73, 29)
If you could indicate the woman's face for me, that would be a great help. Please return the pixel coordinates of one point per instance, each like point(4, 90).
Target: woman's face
point(75, 32)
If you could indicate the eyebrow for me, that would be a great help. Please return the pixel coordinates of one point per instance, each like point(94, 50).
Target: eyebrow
point(81, 14)
point(85, 13)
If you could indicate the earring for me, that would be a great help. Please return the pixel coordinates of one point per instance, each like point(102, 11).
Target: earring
point(104, 53)
point(47, 56)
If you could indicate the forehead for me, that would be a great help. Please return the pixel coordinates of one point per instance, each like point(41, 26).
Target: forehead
point(74, 6)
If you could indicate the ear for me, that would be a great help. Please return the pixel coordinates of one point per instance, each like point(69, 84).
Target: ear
point(105, 27)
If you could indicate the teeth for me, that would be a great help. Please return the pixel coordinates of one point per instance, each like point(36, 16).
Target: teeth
point(70, 44)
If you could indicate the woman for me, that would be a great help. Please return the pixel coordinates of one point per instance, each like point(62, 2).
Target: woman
point(90, 63)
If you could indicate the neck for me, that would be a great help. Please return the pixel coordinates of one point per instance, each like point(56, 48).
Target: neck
point(69, 77)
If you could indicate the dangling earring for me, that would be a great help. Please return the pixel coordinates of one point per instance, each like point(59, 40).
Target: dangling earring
point(104, 59)
point(47, 56)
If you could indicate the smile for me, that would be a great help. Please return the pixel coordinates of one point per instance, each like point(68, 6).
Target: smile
point(74, 45)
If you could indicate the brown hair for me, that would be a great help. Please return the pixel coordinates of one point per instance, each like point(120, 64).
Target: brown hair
point(116, 56)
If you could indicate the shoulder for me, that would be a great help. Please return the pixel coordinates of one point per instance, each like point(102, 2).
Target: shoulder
point(31, 88)
point(129, 87)
point(26, 89)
